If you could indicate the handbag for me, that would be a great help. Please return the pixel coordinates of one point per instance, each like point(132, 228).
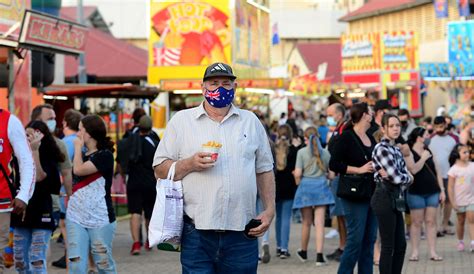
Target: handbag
point(355, 187)
point(166, 222)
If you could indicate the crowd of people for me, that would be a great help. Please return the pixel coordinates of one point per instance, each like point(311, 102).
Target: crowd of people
point(404, 175)
point(49, 183)
point(382, 176)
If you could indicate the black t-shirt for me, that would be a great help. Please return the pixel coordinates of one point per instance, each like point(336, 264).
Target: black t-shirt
point(425, 181)
point(40, 207)
point(140, 172)
point(103, 160)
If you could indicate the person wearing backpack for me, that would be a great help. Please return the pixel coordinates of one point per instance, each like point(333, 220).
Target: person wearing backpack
point(141, 183)
point(32, 230)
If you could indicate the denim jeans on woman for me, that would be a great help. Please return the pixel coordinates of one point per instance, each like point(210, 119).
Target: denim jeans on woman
point(99, 240)
point(392, 232)
point(209, 252)
point(361, 235)
point(30, 247)
point(282, 223)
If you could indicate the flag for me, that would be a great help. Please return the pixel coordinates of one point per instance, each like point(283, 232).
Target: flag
point(275, 36)
point(441, 8)
point(463, 6)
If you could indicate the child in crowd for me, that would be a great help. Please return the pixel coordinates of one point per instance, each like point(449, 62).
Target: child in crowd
point(461, 191)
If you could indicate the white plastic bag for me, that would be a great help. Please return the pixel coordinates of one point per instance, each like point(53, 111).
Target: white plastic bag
point(166, 221)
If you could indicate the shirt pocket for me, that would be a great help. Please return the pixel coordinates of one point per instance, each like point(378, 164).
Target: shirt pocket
point(247, 147)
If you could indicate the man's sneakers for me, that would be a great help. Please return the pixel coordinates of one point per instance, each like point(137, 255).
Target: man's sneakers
point(147, 246)
point(284, 254)
point(265, 253)
point(302, 255)
point(336, 255)
point(136, 248)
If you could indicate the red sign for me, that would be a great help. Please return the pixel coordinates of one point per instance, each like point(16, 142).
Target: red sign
point(45, 31)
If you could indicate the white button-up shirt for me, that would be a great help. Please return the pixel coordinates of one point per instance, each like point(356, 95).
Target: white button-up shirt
point(222, 197)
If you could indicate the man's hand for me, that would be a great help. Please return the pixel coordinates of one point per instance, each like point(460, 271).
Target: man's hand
point(266, 217)
point(19, 207)
point(201, 161)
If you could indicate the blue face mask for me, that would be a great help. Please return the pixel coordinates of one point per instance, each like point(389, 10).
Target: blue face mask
point(220, 97)
point(331, 121)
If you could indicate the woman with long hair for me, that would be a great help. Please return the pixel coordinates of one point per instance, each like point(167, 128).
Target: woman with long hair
point(90, 220)
point(313, 193)
point(388, 202)
point(32, 230)
point(285, 154)
point(352, 155)
point(424, 195)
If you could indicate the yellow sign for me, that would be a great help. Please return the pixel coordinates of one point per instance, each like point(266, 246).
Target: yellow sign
point(360, 52)
point(185, 37)
point(399, 50)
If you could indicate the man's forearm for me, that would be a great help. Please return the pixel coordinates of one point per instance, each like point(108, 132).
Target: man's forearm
point(183, 168)
point(266, 190)
point(67, 180)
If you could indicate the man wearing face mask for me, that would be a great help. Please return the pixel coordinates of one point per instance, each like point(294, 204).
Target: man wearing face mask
point(219, 192)
point(406, 122)
point(380, 108)
point(336, 119)
point(441, 145)
point(46, 114)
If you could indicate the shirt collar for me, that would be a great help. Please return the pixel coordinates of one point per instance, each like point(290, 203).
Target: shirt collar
point(200, 111)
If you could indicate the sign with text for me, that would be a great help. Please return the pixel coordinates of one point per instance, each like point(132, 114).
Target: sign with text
point(399, 50)
point(42, 31)
point(360, 52)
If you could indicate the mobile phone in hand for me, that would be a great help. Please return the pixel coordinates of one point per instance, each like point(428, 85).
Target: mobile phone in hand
point(252, 224)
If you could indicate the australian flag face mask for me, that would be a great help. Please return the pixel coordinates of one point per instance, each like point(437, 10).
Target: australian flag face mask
point(220, 97)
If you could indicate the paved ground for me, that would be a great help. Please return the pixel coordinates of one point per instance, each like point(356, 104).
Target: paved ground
point(168, 262)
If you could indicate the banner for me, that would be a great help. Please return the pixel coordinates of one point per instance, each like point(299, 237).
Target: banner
point(446, 70)
point(399, 51)
point(463, 7)
point(189, 33)
point(11, 13)
point(441, 8)
point(434, 70)
point(460, 42)
point(309, 85)
point(360, 52)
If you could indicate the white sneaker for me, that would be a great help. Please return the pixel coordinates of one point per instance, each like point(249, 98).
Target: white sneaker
point(331, 234)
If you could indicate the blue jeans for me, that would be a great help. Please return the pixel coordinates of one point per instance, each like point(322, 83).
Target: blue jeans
point(209, 251)
point(30, 247)
point(282, 223)
point(361, 235)
point(266, 235)
point(99, 240)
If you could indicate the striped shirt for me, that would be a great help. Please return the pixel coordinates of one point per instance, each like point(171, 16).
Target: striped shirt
point(224, 196)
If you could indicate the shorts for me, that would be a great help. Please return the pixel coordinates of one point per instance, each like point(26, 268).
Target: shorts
point(463, 209)
point(141, 200)
point(416, 201)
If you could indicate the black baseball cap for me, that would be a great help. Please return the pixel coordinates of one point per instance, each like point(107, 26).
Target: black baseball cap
point(218, 70)
point(382, 104)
